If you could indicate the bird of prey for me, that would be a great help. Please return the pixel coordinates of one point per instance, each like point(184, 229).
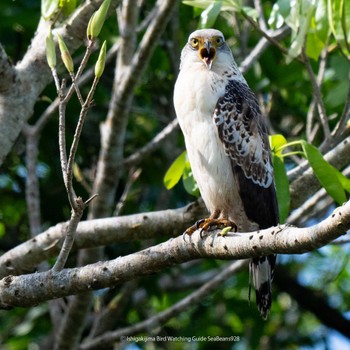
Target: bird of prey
point(227, 146)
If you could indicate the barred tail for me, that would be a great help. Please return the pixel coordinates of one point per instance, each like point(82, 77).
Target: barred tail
point(261, 271)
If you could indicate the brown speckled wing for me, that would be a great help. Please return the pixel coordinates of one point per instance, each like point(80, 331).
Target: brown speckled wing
point(244, 137)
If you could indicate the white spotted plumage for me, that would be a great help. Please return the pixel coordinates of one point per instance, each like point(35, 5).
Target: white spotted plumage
point(227, 144)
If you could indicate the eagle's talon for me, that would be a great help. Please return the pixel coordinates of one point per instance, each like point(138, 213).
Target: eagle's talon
point(198, 223)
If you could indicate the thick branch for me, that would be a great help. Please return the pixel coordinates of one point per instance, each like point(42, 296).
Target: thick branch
point(28, 290)
point(92, 233)
point(32, 74)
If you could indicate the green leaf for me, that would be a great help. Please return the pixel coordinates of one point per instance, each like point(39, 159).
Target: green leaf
point(314, 45)
point(203, 4)
point(339, 17)
point(210, 14)
point(300, 23)
point(68, 6)
point(282, 188)
point(345, 182)
point(174, 173)
point(327, 175)
point(2, 229)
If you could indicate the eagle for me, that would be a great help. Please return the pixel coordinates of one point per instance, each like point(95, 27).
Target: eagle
point(227, 145)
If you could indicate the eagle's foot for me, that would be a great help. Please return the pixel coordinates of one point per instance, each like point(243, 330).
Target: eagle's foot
point(213, 222)
point(210, 224)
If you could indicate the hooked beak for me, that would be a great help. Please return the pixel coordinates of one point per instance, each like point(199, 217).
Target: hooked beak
point(207, 54)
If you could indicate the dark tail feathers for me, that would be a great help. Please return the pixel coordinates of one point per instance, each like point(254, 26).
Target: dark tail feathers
point(261, 271)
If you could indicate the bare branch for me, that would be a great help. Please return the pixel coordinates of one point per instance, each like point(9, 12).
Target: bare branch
point(317, 97)
point(152, 145)
point(261, 17)
point(92, 233)
point(77, 213)
point(272, 40)
point(261, 46)
point(32, 181)
point(310, 130)
point(18, 291)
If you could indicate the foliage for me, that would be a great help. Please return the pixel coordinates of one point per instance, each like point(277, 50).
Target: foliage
point(319, 32)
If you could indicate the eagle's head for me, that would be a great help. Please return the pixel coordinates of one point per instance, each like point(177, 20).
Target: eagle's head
point(207, 46)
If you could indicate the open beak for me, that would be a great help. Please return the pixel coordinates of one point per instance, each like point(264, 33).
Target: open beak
point(207, 53)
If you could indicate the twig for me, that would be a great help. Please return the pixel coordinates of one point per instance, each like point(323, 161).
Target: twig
point(269, 38)
point(310, 131)
point(77, 213)
point(83, 79)
point(164, 316)
point(133, 176)
point(261, 46)
point(76, 203)
point(317, 96)
point(153, 144)
point(261, 17)
point(76, 140)
point(62, 133)
point(113, 131)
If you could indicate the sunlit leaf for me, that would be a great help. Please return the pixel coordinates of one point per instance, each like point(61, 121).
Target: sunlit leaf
point(314, 45)
point(174, 173)
point(49, 8)
point(276, 142)
point(226, 5)
point(300, 23)
point(189, 182)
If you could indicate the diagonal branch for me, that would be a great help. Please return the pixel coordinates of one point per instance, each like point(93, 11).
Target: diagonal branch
point(28, 290)
point(99, 232)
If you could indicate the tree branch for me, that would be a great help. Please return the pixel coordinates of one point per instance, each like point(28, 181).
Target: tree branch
point(99, 232)
point(27, 290)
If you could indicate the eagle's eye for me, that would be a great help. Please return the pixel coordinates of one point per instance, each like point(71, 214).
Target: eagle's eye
point(194, 42)
point(219, 41)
